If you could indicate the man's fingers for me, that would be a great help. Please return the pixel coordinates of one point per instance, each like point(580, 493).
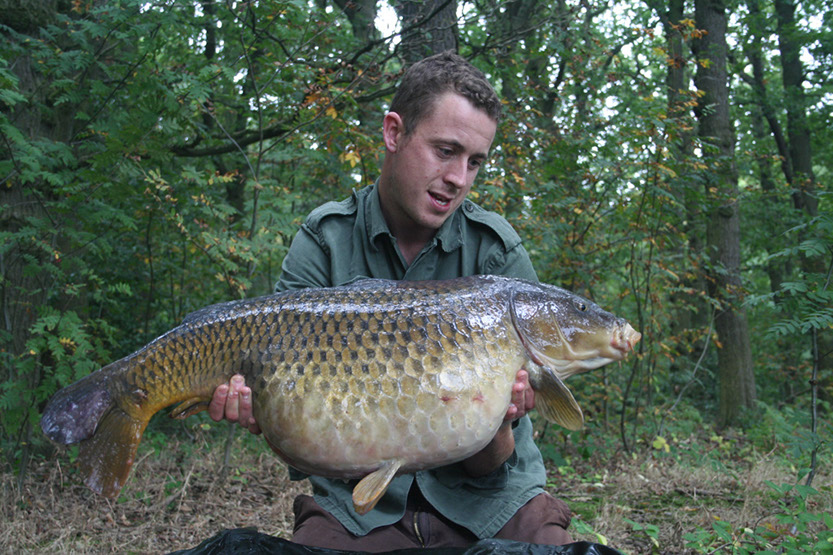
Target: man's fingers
point(244, 414)
point(518, 394)
point(247, 417)
point(530, 399)
point(529, 393)
point(511, 413)
point(233, 402)
point(236, 387)
point(217, 406)
point(232, 405)
point(523, 397)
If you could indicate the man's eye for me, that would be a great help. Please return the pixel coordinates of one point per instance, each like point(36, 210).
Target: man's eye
point(445, 152)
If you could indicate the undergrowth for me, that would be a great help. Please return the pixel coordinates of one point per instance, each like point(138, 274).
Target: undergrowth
point(693, 490)
point(697, 490)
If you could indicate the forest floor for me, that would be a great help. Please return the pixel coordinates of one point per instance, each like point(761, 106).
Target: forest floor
point(698, 496)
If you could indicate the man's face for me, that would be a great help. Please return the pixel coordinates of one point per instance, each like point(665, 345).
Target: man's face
point(428, 173)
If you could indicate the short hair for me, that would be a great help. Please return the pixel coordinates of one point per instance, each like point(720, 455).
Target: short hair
point(431, 77)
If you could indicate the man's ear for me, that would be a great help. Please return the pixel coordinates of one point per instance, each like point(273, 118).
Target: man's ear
point(393, 131)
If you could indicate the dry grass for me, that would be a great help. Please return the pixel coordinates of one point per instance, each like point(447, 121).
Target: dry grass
point(680, 498)
point(177, 497)
point(170, 502)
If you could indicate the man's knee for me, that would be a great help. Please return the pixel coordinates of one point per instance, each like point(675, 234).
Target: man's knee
point(314, 526)
point(542, 520)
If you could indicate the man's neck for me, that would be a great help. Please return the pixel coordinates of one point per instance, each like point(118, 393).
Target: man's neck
point(410, 238)
point(410, 241)
point(410, 249)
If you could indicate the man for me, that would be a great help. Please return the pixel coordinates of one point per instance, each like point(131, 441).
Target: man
point(415, 223)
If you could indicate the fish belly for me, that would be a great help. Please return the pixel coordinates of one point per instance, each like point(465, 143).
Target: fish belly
point(347, 393)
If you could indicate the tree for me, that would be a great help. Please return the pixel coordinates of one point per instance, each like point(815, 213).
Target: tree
point(429, 27)
point(735, 374)
point(800, 162)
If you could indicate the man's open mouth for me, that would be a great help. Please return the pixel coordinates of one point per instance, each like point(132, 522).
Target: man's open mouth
point(441, 200)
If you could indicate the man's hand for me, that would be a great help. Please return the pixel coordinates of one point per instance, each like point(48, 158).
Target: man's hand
point(233, 401)
point(523, 397)
point(500, 448)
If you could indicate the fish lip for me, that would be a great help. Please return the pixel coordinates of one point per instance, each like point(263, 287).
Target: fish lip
point(624, 339)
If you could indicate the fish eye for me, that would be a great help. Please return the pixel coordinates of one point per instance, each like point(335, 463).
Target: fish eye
point(582, 307)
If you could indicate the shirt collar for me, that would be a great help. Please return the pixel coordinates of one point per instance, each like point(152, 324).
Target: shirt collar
point(450, 235)
point(374, 219)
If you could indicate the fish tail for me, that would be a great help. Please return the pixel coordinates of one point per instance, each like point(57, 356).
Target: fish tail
point(87, 413)
point(73, 413)
point(107, 457)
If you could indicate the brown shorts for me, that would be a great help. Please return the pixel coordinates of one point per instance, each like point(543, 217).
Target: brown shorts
point(543, 520)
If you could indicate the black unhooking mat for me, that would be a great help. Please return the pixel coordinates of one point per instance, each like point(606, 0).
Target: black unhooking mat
point(248, 541)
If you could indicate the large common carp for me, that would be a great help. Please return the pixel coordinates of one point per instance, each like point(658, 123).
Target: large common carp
point(368, 380)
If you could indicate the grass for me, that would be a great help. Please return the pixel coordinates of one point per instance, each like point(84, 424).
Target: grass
point(702, 494)
point(179, 494)
point(705, 494)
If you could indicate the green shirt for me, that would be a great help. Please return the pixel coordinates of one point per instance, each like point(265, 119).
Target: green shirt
point(341, 241)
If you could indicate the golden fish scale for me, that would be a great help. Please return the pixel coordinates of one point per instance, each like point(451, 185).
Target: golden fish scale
point(191, 360)
point(349, 382)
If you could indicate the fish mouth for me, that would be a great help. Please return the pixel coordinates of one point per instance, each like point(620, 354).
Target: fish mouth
point(624, 338)
point(583, 359)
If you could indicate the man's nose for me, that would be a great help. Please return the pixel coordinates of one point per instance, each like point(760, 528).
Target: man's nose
point(457, 173)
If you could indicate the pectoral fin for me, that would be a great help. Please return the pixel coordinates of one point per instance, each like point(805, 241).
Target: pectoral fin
point(372, 487)
point(555, 402)
point(189, 407)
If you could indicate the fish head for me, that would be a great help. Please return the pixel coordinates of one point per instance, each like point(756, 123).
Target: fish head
point(566, 332)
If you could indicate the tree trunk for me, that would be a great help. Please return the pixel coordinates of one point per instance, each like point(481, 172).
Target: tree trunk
point(792, 71)
point(735, 375)
point(764, 113)
point(428, 27)
point(801, 158)
point(691, 315)
point(362, 17)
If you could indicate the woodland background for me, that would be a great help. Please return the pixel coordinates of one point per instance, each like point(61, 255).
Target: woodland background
point(669, 159)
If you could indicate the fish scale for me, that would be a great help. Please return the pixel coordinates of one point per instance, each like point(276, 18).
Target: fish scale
point(384, 332)
point(368, 380)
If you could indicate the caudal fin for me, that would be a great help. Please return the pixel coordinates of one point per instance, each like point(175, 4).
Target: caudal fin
point(86, 413)
point(73, 413)
point(107, 457)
